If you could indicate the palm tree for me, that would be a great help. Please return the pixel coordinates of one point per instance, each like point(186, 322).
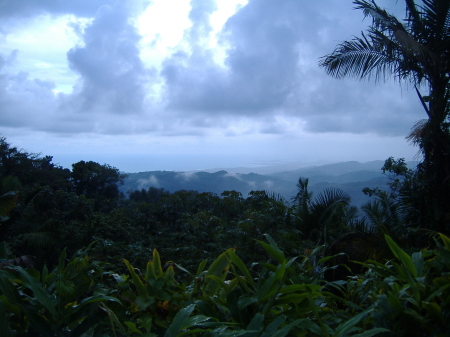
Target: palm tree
point(384, 210)
point(317, 216)
point(417, 51)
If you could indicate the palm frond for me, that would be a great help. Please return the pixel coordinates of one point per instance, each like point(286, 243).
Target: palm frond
point(383, 211)
point(330, 197)
point(435, 16)
point(40, 239)
point(417, 132)
point(388, 48)
point(359, 58)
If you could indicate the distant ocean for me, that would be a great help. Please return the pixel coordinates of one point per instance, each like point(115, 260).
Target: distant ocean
point(160, 162)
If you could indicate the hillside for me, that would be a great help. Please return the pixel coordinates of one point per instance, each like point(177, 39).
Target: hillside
point(350, 176)
point(207, 182)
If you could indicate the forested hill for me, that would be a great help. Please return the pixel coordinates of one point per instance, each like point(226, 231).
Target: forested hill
point(350, 176)
point(207, 182)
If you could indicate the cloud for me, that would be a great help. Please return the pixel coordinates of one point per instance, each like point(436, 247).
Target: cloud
point(251, 184)
point(187, 176)
point(260, 67)
point(271, 69)
point(29, 8)
point(24, 101)
point(268, 184)
point(112, 74)
point(150, 181)
point(266, 82)
point(112, 78)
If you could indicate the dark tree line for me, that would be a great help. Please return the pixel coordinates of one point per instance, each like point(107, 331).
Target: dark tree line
point(47, 208)
point(417, 51)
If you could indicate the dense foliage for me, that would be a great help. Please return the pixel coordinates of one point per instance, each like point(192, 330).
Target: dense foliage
point(231, 265)
point(407, 296)
point(305, 284)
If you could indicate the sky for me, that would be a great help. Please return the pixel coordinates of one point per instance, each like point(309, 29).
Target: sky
point(193, 84)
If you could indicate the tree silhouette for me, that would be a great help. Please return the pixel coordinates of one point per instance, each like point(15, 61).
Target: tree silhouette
point(417, 51)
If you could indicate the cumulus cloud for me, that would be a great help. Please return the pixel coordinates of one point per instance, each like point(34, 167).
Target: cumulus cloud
point(112, 77)
point(23, 100)
point(260, 67)
point(268, 83)
point(271, 69)
point(112, 73)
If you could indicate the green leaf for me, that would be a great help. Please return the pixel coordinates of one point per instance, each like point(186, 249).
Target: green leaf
point(269, 267)
point(400, 254)
point(157, 264)
point(371, 332)
point(286, 329)
point(309, 325)
point(196, 320)
point(132, 327)
point(192, 332)
point(8, 289)
point(220, 281)
point(272, 241)
point(315, 310)
point(62, 260)
point(218, 268)
point(5, 329)
point(40, 294)
point(446, 240)
point(113, 319)
point(299, 287)
point(143, 302)
point(276, 253)
point(434, 312)
point(34, 273)
point(273, 326)
point(119, 278)
point(244, 302)
point(182, 269)
point(77, 313)
point(223, 332)
point(273, 284)
point(345, 328)
point(98, 298)
point(149, 272)
point(267, 285)
point(292, 298)
point(39, 323)
point(141, 289)
point(201, 267)
point(179, 321)
point(241, 266)
point(257, 323)
point(418, 263)
point(438, 292)
point(169, 274)
point(326, 258)
point(44, 274)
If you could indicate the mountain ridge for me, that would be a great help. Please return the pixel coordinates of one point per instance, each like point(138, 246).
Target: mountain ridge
point(350, 176)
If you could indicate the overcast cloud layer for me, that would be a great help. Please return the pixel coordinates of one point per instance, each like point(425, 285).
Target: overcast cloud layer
point(72, 70)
